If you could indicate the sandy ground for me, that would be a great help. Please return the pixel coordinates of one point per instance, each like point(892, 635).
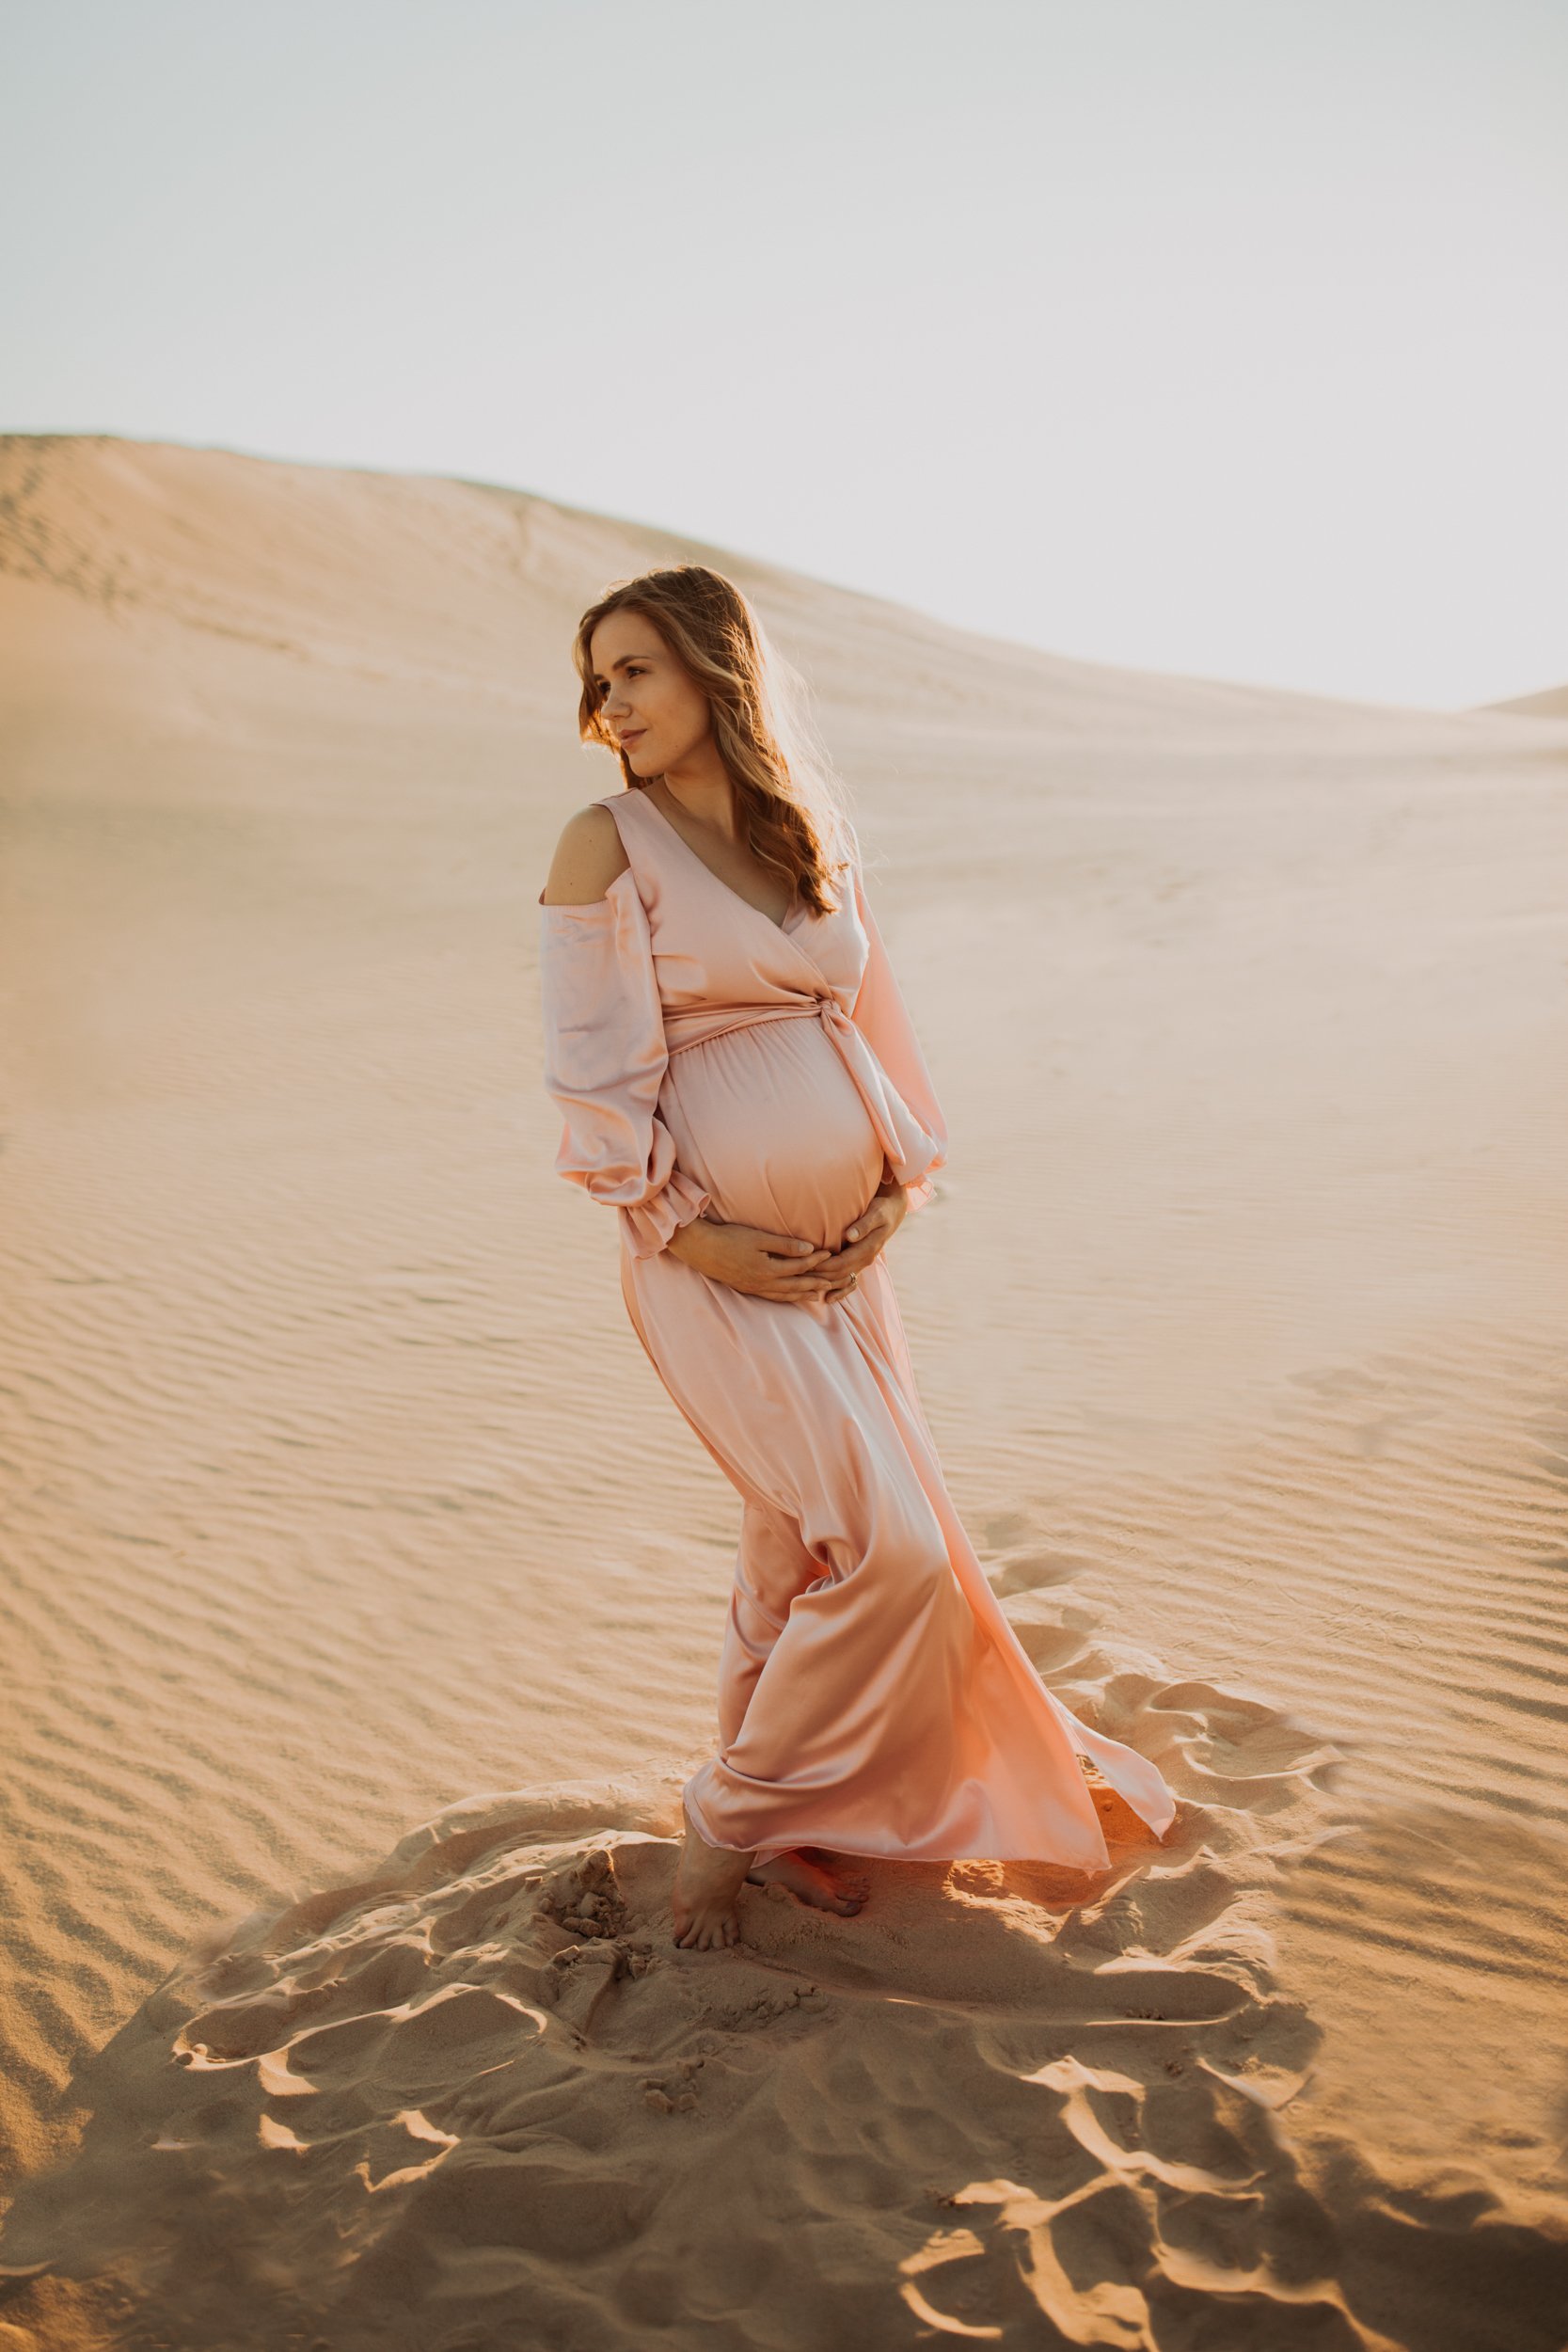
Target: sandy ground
point(362, 1591)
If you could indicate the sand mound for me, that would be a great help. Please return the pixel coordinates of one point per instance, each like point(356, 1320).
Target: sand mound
point(1551, 703)
point(480, 2098)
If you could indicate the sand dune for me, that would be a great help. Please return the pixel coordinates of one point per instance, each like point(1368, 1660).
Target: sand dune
point(363, 1591)
point(1553, 704)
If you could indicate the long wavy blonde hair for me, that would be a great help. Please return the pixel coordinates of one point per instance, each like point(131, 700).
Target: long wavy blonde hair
point(792, 806)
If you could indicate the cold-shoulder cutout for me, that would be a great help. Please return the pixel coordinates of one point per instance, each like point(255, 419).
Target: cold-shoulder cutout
point(590, 857)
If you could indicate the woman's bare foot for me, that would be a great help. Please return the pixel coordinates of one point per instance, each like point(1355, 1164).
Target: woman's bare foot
point(826, 1886)
point(707, 1879)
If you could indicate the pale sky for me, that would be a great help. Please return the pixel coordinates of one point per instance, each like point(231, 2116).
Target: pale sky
point(1225, 337)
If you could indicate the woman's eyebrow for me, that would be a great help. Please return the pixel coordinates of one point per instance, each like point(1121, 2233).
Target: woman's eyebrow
point(624, 658)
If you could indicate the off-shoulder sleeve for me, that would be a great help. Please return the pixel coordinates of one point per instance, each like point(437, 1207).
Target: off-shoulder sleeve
point(883, 1018)
point(605, 1057)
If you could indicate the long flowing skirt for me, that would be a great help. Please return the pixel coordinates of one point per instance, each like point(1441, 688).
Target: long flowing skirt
point(873, 1697)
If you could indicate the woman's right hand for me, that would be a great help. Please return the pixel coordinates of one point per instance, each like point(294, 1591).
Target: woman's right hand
point(768, 1265)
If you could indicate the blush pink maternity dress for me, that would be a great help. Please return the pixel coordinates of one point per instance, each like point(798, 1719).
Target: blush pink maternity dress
point(873, 1697)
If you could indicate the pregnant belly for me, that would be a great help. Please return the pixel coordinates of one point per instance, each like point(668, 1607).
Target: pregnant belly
point(767, 1119)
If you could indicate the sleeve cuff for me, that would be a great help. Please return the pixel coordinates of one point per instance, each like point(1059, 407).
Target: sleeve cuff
point(649, 1225)
point(918, 1190)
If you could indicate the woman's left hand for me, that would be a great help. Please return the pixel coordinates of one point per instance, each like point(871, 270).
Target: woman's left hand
point(865, 1240)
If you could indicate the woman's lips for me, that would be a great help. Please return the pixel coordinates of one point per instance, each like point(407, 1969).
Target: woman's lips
point(626, 741)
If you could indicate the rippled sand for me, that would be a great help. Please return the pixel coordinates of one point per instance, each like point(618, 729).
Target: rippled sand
point(363, 1591)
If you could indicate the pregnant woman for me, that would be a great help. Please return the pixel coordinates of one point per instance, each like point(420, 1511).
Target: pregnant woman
point(739, 1079)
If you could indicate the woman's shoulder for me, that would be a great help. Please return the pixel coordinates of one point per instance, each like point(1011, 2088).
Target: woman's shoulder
point(590, 857)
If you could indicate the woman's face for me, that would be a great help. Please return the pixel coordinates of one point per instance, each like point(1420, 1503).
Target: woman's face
point(652, 706)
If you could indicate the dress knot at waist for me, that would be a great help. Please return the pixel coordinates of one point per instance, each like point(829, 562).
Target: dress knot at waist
point(703, 1022)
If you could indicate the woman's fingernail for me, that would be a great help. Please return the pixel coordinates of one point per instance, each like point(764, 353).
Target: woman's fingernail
point(854, 1234)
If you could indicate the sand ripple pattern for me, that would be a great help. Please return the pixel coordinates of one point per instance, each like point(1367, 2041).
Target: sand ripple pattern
point(479, 2098)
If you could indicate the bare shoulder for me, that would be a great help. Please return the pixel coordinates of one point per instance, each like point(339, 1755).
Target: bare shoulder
point(588, 858)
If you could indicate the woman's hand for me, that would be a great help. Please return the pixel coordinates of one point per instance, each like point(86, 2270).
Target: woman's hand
point(768, 1265)
point(866, 1238)
point(777, 1266)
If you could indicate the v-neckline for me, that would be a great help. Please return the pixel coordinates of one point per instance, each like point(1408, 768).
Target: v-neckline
point(761, 913)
